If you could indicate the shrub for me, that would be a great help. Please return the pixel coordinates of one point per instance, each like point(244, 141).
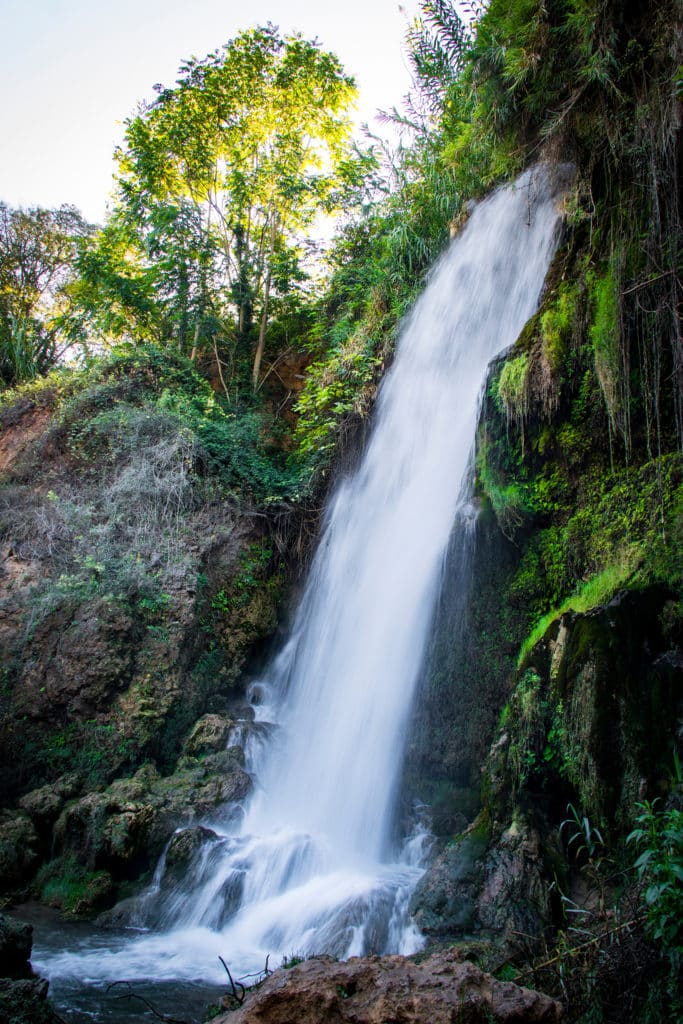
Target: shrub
point(659, 840)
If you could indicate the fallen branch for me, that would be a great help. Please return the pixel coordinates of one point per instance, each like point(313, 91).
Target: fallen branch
point(650, 280)
point(150, 1006)
point(240, 999)
point(258, 974)
point(595, 941)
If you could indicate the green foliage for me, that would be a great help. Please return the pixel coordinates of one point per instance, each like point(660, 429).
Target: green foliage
point(84, 747)
point(219, 178)
point(584, 840)
point(525, 718)
point(252, 573)
point(508, 498)
point(38, 251)
point(69, 886)
point(142, 396)
point(335, 388)
point(589, 595)
point(559, 753)
point(436, 45)
point(48, 391)
point(659, 840)
point(292, 961)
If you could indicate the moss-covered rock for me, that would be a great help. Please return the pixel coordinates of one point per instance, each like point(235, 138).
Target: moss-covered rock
point(598, 725)
point(23, 996)
point(19, 851)
point(445, 900)
point(25, 1002)
point(68, 886)
point(136, 583)
point(587, 732)
point(209, 735)
point(124, 828)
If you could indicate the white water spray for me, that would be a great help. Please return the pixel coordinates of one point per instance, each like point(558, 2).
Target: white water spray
point(313, 868)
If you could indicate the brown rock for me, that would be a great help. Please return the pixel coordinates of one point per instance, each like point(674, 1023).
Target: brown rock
point(78, 659)
point(514, 897)
point(375, 990)
point(28, 423)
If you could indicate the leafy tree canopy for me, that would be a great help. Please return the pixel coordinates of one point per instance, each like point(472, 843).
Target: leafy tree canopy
point(38, 251)
point(219, 178)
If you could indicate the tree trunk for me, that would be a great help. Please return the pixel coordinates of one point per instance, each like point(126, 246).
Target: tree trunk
point(264, 312)
point(262, 333)
point(193, 353)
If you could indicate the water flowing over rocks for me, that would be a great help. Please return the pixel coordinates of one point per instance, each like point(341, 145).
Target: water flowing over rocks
point(443, 989)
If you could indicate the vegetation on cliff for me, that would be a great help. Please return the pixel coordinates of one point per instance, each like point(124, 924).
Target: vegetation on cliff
point(159, 494)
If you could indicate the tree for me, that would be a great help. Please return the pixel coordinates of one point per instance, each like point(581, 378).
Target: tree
point(221, 176)
point(38, 251)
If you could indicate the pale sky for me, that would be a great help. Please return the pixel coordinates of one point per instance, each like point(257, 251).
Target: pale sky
point(73, 70)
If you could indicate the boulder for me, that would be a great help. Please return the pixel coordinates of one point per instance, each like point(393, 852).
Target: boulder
point(16, 939)
point(444, 902)
point(23, 996)
point(373, 990)
point(42, 805)
point(184, 846)
point(515, 897)
point(25, 1002)
point(490, 885)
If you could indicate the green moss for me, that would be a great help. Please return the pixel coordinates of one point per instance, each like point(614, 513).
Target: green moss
point(588, 595)
point(508, 497)
point(557, 322)
point(512, 387)
point(526, 728)
point(68, 886)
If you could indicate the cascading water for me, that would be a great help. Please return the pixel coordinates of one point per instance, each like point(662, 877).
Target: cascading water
point(312, 866)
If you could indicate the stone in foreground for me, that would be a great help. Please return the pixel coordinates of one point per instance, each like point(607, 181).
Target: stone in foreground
point(373, 990)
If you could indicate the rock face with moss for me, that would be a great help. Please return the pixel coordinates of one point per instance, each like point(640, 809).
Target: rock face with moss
point(577, 658)
point(136, 587)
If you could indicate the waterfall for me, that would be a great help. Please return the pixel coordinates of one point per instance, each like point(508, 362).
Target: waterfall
point(315, 865)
